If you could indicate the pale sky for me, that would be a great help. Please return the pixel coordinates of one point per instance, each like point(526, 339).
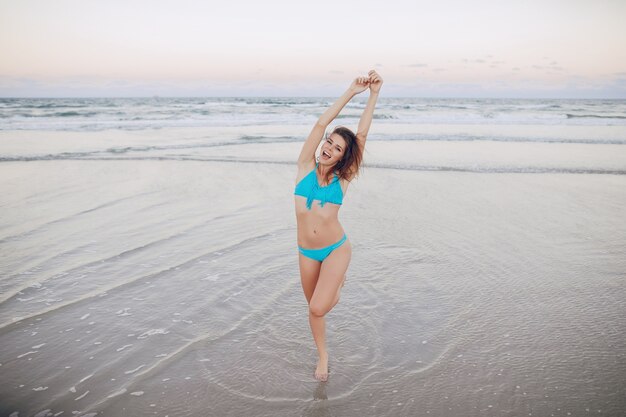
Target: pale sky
point(445, 48)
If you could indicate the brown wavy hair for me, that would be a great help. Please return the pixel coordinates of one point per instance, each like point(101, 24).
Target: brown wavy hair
point(348, 166)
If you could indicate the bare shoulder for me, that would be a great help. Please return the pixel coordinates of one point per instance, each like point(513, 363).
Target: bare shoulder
point(304, 168)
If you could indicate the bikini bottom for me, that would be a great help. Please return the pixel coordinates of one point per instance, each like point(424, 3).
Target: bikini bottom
point(322, 253)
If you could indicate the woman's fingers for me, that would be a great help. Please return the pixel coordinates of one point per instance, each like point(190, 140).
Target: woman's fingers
point(374, 77)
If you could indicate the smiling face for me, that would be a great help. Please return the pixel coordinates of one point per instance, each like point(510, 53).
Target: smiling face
point(333, 149)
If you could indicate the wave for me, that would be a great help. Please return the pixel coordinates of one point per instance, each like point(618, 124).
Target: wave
point(472, 168)
point(69, 113)
point(120, 285)
point(265, 139)
point(593, 116)
point(53, 106)
point(471, 138)
point(501, 169)
point(87, 114)
point(379, 116)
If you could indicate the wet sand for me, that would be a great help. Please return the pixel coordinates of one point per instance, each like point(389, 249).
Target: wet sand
point(164, 281)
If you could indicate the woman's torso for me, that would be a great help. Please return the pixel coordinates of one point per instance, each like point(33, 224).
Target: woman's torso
point(318, 226)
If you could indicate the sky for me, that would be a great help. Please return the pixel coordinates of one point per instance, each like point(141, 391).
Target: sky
point(445, 48)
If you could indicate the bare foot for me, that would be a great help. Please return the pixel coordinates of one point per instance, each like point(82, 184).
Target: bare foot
point(321, 372)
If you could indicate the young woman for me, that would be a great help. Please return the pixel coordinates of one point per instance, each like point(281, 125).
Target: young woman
point(321, 184)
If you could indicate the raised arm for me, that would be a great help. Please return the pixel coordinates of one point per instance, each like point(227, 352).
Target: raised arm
point(307, 154)
point(375, 82)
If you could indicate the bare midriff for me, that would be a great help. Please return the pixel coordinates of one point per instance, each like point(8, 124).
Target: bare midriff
point(318, 227)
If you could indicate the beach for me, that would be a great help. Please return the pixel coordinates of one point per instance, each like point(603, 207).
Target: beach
point(149, 266)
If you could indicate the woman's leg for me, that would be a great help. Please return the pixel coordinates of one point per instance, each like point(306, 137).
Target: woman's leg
point(331, 276)
point(309, 273)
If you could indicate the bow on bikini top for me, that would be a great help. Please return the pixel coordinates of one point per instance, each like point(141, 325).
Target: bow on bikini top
point(308, 187)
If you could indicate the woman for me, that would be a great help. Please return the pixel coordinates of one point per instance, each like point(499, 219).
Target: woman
point(324, 248)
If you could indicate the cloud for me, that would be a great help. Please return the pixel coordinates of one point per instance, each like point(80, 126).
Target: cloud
point(473, 61)
point(550, 69)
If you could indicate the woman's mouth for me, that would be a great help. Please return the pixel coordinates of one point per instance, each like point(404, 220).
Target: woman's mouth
point(325, 155)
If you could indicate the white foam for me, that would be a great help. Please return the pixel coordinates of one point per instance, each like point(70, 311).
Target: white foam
point(73, 389)
point(123, 347)
point(81, 396)
point(40, 389)
point(152, 332)
point(116, 393)
point(85, 378)
point(37, 346)
point(137, 393)
point(27, 353)
point(132, 371)
point(85, 316)
point(123, 312)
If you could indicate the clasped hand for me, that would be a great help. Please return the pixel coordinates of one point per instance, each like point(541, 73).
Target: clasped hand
point(373, 81)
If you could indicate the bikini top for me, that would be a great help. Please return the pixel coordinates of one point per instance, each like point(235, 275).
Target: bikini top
point(308, 187)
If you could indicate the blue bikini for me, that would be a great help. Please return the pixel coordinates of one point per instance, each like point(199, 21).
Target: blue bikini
point(332, 193)
point(308, 187)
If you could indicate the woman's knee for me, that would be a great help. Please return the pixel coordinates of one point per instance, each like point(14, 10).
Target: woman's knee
point(318, 309)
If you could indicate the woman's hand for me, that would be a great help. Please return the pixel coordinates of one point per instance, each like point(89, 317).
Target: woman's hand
point(359, 85)
point(375, 81)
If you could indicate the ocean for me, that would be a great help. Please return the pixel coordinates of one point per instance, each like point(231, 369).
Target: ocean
point(148, 259)
point(159, 112)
